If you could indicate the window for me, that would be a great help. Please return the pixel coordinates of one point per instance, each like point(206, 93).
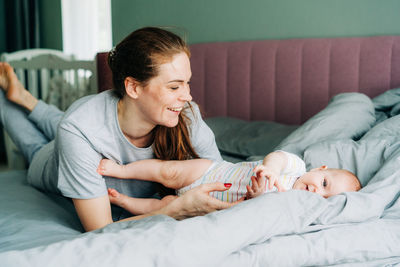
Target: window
point(86, 27)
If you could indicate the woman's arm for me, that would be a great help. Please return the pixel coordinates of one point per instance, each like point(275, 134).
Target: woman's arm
point(96, 213)
point(93, 213)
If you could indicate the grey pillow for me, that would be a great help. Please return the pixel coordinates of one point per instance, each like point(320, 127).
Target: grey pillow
point(387, 104)
point(365, 157)
point(241, 138)
point(388, 129)
point(347, 116)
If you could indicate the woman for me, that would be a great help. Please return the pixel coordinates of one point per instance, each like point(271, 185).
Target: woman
point(145, 116)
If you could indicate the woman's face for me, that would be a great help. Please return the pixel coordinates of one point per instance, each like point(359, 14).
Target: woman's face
point(164, 96)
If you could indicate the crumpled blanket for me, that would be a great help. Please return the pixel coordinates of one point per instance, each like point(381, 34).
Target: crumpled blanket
point(294, 228)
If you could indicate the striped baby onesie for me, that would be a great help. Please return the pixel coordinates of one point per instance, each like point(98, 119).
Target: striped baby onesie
point(239, 175)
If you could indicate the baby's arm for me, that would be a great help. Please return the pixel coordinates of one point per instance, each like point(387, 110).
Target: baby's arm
point(273, 164)
point(138, 206)
point(173, 174)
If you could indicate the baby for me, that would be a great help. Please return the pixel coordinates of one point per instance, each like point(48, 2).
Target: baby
point(279, 171)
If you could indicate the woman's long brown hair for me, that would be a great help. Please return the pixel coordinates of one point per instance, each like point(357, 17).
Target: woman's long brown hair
point(173, 143)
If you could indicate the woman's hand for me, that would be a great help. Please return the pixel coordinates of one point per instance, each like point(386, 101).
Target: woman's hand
point(197, 201)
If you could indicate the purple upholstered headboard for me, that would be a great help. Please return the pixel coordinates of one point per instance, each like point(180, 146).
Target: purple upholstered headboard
point(288, 81)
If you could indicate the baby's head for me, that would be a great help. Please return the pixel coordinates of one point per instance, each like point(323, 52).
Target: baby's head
point(328, 182)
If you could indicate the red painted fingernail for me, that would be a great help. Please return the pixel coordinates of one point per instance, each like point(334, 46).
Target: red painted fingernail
point(228, 185)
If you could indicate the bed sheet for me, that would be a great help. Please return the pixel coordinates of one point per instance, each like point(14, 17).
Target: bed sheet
point(294, 228)
point(30, 218)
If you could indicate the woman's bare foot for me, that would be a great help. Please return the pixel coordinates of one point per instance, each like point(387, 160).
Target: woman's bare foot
point(15, 91)
point(109, 168)
point(3, 75)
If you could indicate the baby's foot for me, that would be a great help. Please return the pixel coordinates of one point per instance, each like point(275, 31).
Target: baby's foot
point(108, 168)
point(116, 197)
point(9, 82)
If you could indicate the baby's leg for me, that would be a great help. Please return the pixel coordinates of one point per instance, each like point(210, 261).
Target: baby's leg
point(137, 206)
point(180, 173)
point(173, 174)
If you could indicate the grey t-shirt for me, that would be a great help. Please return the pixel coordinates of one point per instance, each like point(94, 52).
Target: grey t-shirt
point(89, 132)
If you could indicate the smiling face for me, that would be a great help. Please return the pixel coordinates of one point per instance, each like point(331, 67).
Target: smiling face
point(327, 182)
point(163, 97)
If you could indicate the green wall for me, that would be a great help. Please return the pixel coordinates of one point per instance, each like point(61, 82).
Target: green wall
point(231, 20)
point(50, 24)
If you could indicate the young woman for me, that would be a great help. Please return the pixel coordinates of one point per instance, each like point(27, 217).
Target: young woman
point(147, 115)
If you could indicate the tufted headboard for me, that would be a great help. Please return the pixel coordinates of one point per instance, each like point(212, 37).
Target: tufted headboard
point(288, 81)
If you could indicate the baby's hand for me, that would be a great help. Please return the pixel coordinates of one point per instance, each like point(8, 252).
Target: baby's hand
point(257, 187)
point(271, 175)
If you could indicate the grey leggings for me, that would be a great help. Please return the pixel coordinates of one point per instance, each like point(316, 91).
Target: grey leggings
point(29, 131)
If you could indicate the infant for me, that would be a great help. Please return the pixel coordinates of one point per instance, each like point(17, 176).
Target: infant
point(278, 171)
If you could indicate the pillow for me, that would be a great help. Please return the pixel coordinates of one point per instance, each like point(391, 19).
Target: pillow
point(347, 116)
point(241, 138)
point(388, 129)
point(364, 158)
point(387, 104)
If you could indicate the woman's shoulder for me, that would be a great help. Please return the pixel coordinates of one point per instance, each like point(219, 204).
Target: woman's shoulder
point(91, 110)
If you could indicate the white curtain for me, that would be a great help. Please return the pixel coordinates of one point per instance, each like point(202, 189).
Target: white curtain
point(86, 27)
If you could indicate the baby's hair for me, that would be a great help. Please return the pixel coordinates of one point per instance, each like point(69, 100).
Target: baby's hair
point(355, 180)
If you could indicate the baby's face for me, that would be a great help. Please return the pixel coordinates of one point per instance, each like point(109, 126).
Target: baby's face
point(326, 182)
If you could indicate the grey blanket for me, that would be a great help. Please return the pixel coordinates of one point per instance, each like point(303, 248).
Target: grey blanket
point(294, 228)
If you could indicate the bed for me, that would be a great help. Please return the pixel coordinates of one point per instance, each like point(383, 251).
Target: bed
point(332, 101)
